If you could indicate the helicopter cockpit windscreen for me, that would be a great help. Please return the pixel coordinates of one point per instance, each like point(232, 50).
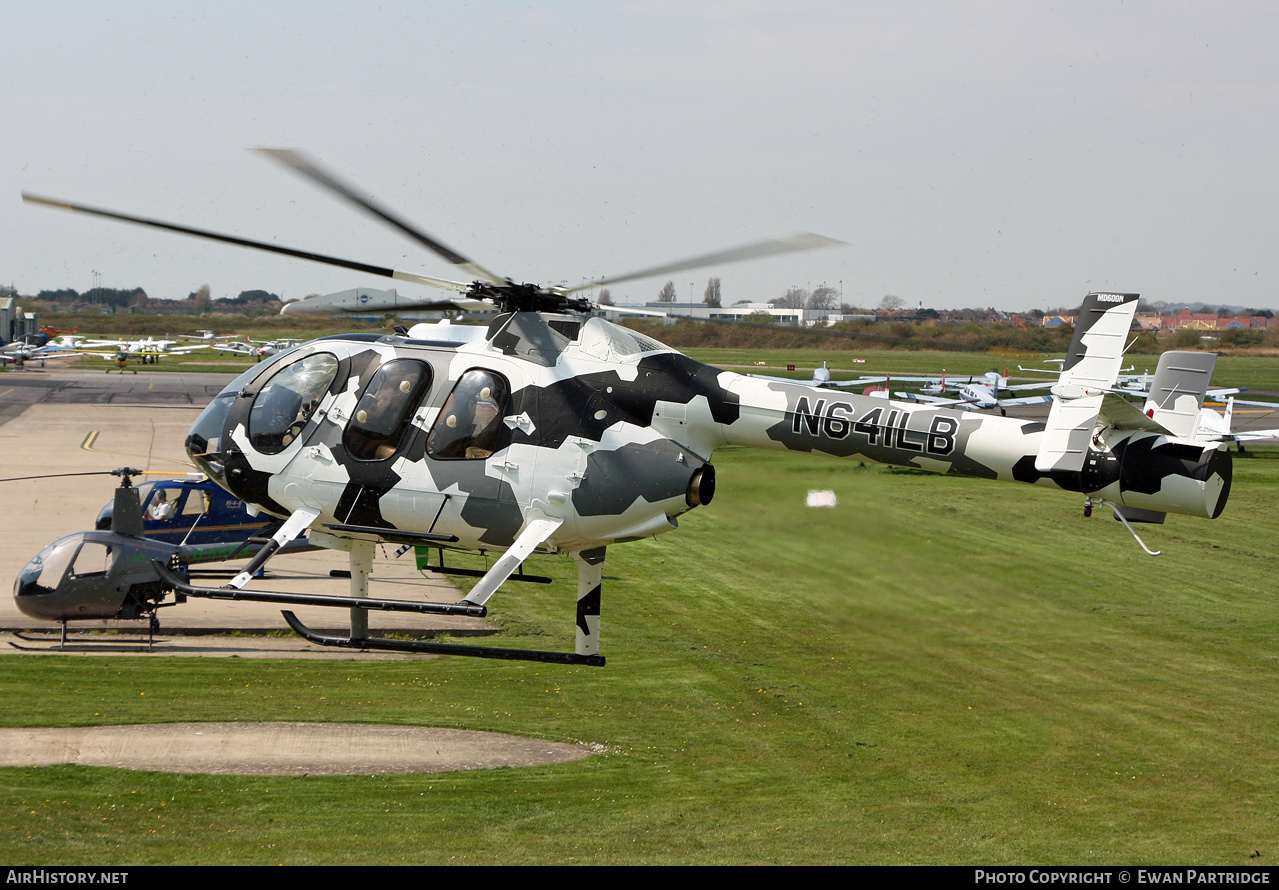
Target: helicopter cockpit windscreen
point(47, 568)
point(205, 436)
point(166, 502)
point(287, 400)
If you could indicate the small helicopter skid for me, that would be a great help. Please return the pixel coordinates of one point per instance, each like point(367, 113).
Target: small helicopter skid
point(94, 641)
point(442, 569)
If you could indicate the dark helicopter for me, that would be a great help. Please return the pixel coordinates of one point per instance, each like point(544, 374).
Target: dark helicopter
point(553, 430)
point(109, 573)
point(185, 520)
point(100, 573)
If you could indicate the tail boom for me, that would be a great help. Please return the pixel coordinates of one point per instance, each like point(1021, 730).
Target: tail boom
point(1135, 468)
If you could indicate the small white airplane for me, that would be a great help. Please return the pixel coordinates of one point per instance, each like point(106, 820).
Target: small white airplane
point(144, 346)
point(1214, 426)
point(976, 393)
point(258, 349)
point(821, 378)
point(21, 353)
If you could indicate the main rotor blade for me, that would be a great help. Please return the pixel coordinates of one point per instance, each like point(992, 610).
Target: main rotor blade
point(245, 242)
point(303, 165)
point(357, 302)
point(771, 247)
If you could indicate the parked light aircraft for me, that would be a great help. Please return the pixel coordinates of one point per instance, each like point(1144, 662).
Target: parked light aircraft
point(20, 353)
point(822, 380)
point(258, 349)
point(149, 348)
point(976, 392)
point(554, 431)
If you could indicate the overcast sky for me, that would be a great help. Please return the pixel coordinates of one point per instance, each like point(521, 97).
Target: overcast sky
point(1005, 154)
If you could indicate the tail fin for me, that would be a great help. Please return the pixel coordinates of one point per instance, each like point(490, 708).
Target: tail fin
point(1177, 392)
point(1091, 368)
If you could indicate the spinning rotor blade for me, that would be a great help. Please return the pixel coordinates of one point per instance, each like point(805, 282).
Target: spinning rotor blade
point(310, 169)
point(244, 242)
point(758, 250)
point(348, 304)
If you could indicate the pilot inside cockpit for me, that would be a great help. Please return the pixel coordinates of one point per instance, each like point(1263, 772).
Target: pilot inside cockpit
point(160, 508)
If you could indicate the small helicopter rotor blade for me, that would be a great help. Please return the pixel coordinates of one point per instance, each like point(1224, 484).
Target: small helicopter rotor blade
point(57, 476)
point(305, 166)
point(245, 242)
point(757, 250)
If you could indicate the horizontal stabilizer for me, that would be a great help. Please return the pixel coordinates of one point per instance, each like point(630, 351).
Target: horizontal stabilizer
point(1122, 415)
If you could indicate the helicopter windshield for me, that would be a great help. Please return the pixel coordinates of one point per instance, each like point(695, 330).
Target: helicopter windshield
point(206, 433)
point(288, 399)
point(45, 570)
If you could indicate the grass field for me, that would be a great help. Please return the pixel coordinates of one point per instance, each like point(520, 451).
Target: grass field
point(937, 670)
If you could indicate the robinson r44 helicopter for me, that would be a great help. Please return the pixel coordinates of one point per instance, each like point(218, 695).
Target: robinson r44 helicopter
point(553, 430)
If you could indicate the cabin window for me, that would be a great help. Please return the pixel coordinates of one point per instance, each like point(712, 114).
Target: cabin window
point(286, 402)
point(196, 504)
point(471, 419)
point(382, 415)
point(93, 559)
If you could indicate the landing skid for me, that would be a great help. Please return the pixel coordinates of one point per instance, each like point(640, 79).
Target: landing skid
point(422, 646)
point(590, 573)
point(100, 642)
point(166, 575)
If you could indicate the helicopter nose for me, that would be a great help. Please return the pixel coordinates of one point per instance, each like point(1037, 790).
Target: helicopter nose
point(204, 440)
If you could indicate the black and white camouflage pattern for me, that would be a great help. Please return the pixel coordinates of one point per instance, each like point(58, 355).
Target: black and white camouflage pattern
point(611, 434)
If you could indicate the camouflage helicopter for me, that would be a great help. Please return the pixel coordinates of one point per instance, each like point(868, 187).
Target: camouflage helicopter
point(553, 430)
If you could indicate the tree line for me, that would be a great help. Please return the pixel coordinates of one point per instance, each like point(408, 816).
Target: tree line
point(198, 302)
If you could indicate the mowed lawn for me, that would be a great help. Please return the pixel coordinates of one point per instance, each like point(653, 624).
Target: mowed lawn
point(937, 670)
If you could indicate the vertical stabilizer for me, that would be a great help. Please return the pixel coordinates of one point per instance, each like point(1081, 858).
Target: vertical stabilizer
point(1177, 392)
point(1091, 368)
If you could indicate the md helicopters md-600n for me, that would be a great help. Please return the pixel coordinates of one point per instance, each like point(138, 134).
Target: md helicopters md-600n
point(553, 430)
